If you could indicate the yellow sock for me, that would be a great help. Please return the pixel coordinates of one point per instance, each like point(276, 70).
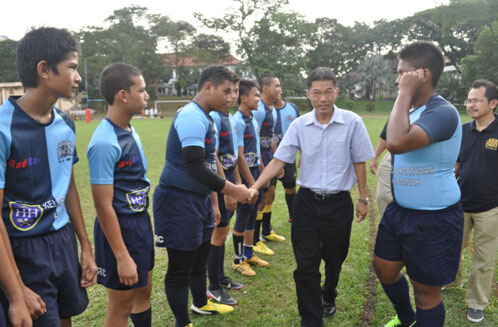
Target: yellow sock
point(267, 208)
point(260, 215)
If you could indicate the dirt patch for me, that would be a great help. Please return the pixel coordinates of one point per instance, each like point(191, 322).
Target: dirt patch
point(371, 281)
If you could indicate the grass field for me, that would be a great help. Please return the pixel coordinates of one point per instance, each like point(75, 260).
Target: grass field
point(269, 298)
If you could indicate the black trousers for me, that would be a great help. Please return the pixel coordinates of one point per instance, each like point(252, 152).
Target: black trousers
point(321, 229)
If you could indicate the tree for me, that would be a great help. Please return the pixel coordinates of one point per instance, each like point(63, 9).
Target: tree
point(8, 70)
point(483, 63)
point(127, 39)
point(374, 73)
point(269, 38)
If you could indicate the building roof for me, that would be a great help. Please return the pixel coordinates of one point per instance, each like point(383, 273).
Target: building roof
point(194, 61)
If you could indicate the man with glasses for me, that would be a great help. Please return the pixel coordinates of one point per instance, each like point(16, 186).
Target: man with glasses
point(478, 180)
point(334, 146)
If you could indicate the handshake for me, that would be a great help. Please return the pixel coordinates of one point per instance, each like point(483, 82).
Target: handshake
point(241, 193)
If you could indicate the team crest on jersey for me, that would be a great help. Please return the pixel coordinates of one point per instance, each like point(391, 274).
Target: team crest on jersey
point(227, 161)
point(266, 142)
point(492, 144)
point(289, 118)
point(64, 151)
point(24, 216)
point(137, 200)
point(251, 159)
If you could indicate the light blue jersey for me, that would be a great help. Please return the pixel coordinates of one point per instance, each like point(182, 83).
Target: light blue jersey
point(424, 179)
point(248, 137)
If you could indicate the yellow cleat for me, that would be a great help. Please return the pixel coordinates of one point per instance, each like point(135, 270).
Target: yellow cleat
point(211, 308)
point(274, 237)
point(257, 262)
point(244, 269)
point(261, 248)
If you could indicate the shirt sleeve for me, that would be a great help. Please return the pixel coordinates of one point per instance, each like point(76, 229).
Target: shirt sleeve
point(439, 123)
point(102, 159)
point(191, 128)
point(259, 115)
point(289, 145)
point(361, 147)
point(4, 154)
point(240, 127)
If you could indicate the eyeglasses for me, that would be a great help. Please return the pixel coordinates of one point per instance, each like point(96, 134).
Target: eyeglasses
point(318, 94)
point(475, 101)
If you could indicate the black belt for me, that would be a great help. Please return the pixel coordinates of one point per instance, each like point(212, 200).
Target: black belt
point(324, 196)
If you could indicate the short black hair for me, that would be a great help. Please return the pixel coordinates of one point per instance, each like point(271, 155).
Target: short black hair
point(425, 55)
point(116, 77)
point(491, 90)
point(245, 87)
point(216, 74)
point(266, 79)
point(320, 74)
point(45, 43)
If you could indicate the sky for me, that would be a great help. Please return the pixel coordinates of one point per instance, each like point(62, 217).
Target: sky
point(17, 16)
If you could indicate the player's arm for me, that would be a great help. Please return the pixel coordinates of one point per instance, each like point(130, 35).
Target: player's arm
point(215, 207)
point(401, 135)
point(236, 174)
point(103, 195)
point(193, 158)
point(73, 207)
point(361, 177)
point(378, 152)
point(36, 306)
point(457, 169)
point(18, 311)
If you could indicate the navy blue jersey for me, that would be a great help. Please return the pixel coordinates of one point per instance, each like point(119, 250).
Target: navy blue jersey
point(266, 118)
point(285, 116)
point(227, 139)
point(116, 157)
point(36, 163)
point(191, 127)
point(248, 137)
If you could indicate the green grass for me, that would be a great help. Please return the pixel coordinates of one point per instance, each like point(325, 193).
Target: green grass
point(269, 298)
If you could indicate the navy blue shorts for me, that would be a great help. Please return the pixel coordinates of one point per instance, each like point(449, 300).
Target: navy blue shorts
point(49, 266)
point(290, 174)
point(267, 156)
point(136, 231)
point(429, 242)
point(255, 174)
point(183, 220)
point(225, 214)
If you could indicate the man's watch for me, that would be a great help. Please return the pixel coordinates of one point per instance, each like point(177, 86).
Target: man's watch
point(365, 200)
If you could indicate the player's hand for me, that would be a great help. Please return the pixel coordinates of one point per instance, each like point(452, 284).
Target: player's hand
point(230, 203)
point(88, 269)
point(374, 166)
point(361, 211)
point(19, 314)
point(281, 173)
point(240, 193)
point(216, 215)
point(127, 271)
point(254, 195)
point(411, 81)
point(36, 306)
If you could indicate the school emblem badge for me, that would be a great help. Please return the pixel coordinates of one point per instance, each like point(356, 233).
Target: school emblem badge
point(492, 144)
point(64, 151)
point(24, 216)
point(137, 200)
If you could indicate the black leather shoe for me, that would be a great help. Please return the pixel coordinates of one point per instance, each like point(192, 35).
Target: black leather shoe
point(329, 309)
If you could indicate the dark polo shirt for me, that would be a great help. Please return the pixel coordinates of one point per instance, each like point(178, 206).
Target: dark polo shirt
point(478, 175)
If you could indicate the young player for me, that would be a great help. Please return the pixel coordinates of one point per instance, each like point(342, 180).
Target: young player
point(287, 112)
point(249, 168)
point(226, 160)
point(182, 207)
point(422, 228)
point(124, 247)
point(39, 194)
point(266, 116)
